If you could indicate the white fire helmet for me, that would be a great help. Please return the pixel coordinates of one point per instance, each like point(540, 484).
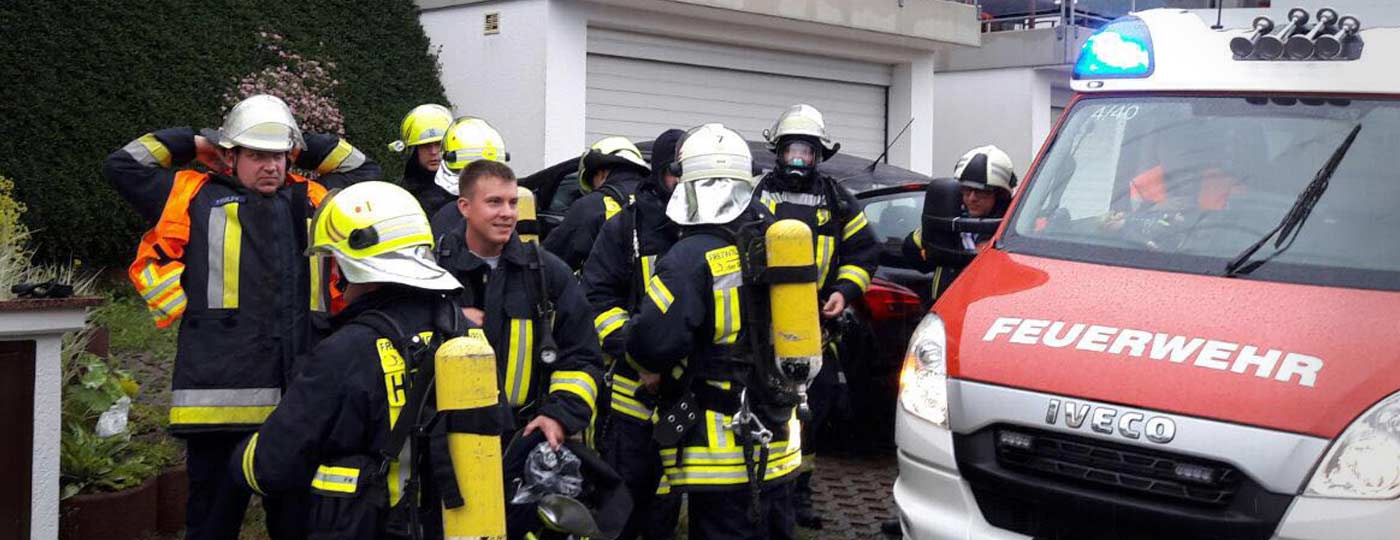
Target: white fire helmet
point(801, 120)
point(986, 168)
point(260, 122)
point(716, 177)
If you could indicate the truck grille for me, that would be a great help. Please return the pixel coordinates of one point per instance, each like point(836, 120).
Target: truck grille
point(1117, 467)
point(1063, 486)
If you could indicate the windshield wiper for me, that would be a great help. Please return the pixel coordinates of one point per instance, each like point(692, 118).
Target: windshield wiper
point(1292, 222)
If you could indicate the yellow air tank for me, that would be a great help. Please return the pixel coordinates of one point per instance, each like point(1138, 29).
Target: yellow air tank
point(527, 224)
point(466, 380)
point(797, 337)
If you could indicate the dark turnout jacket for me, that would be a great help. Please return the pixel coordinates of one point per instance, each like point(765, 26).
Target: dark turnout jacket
point(573, 239)
point(565, 390)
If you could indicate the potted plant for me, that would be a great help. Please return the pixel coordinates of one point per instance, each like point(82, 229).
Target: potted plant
point(108, 479)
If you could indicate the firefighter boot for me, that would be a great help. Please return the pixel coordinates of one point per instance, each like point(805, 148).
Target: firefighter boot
point(807, 516)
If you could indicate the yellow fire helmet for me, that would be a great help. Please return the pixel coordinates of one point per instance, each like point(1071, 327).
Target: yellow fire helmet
point(378, 233)
point(424, 124)
point(468, 139)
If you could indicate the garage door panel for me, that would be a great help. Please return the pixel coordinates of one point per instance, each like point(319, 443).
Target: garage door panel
point(675, 79)
point(638, 99)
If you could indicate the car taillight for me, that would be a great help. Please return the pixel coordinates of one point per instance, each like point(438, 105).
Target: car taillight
point(890, 301)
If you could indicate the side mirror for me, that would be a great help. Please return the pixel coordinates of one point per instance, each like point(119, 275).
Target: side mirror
point(943, 222)
point(569, 516)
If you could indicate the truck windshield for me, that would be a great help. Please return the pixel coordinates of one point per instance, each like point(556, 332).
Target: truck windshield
point(1186, 183)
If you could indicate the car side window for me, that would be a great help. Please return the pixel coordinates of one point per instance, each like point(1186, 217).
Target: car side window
point(894, 217)
point(566, 194)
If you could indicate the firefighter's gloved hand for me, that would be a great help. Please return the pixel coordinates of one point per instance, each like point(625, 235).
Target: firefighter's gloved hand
point(549, 472)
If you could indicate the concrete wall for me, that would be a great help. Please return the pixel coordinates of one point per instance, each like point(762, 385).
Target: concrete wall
point(1006, 107)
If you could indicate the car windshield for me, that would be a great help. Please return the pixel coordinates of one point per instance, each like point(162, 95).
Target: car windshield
point(1187, 183)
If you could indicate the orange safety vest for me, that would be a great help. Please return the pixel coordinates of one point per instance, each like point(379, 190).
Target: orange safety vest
point(159, 262)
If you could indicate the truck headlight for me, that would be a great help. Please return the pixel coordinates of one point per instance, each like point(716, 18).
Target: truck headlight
point(923, 381)
point(1364, 463)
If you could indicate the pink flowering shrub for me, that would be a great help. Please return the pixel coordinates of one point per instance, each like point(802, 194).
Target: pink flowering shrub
point(305, 84)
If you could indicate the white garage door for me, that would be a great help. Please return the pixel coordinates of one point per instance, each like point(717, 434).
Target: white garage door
point(639, 86)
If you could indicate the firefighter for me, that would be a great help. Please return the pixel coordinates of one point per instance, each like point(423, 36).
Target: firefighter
point(468, 139)
point(608, 174)
point(332, 431)
point(224, 255)
point(532, 309)
point(988, 180)
point(729, 439)
point(420, 136)
point(846, 249)
point(623, 259)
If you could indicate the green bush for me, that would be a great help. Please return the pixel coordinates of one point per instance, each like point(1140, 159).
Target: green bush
point(82, 78)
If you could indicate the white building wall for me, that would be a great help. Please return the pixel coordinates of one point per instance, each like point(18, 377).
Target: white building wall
point(522, 80)
point(529, 80)
point(1006, 107)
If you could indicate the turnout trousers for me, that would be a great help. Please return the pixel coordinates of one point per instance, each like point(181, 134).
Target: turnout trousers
point(217, 502)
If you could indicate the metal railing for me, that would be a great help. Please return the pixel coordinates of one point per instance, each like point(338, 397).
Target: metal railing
point(1011, 15)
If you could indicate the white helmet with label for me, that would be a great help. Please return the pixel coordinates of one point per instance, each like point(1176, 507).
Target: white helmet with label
point(986, 168)
point(716, 177)
point(260, 122)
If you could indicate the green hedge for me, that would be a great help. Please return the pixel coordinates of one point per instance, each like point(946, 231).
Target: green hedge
point(79, 79)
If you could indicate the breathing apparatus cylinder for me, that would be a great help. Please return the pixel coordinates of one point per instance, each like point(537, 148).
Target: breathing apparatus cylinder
point(792, 290)
point(527, 221)
point(466, 380)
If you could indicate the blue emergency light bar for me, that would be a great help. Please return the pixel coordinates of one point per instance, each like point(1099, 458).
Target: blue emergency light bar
point(1122, 49)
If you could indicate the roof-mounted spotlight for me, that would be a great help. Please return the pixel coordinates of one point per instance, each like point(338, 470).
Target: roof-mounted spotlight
point(1328, 46)
point(1244, 46)
point(1301, 46)
point(1270, 47)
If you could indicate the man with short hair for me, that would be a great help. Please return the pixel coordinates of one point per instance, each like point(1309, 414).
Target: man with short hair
point(533, 311)
point(225, 257)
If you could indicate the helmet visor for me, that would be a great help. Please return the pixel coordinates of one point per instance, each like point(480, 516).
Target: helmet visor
point(798, 153)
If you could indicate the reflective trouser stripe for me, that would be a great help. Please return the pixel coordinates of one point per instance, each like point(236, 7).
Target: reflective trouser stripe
point(609, 321)
point(336, 479)
point(225, 246)
point(522, 342)
point(660, 295)
point(249, 453)
point(937, 281)
point(855, 274)
point(854, 226)
point(826, 246)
